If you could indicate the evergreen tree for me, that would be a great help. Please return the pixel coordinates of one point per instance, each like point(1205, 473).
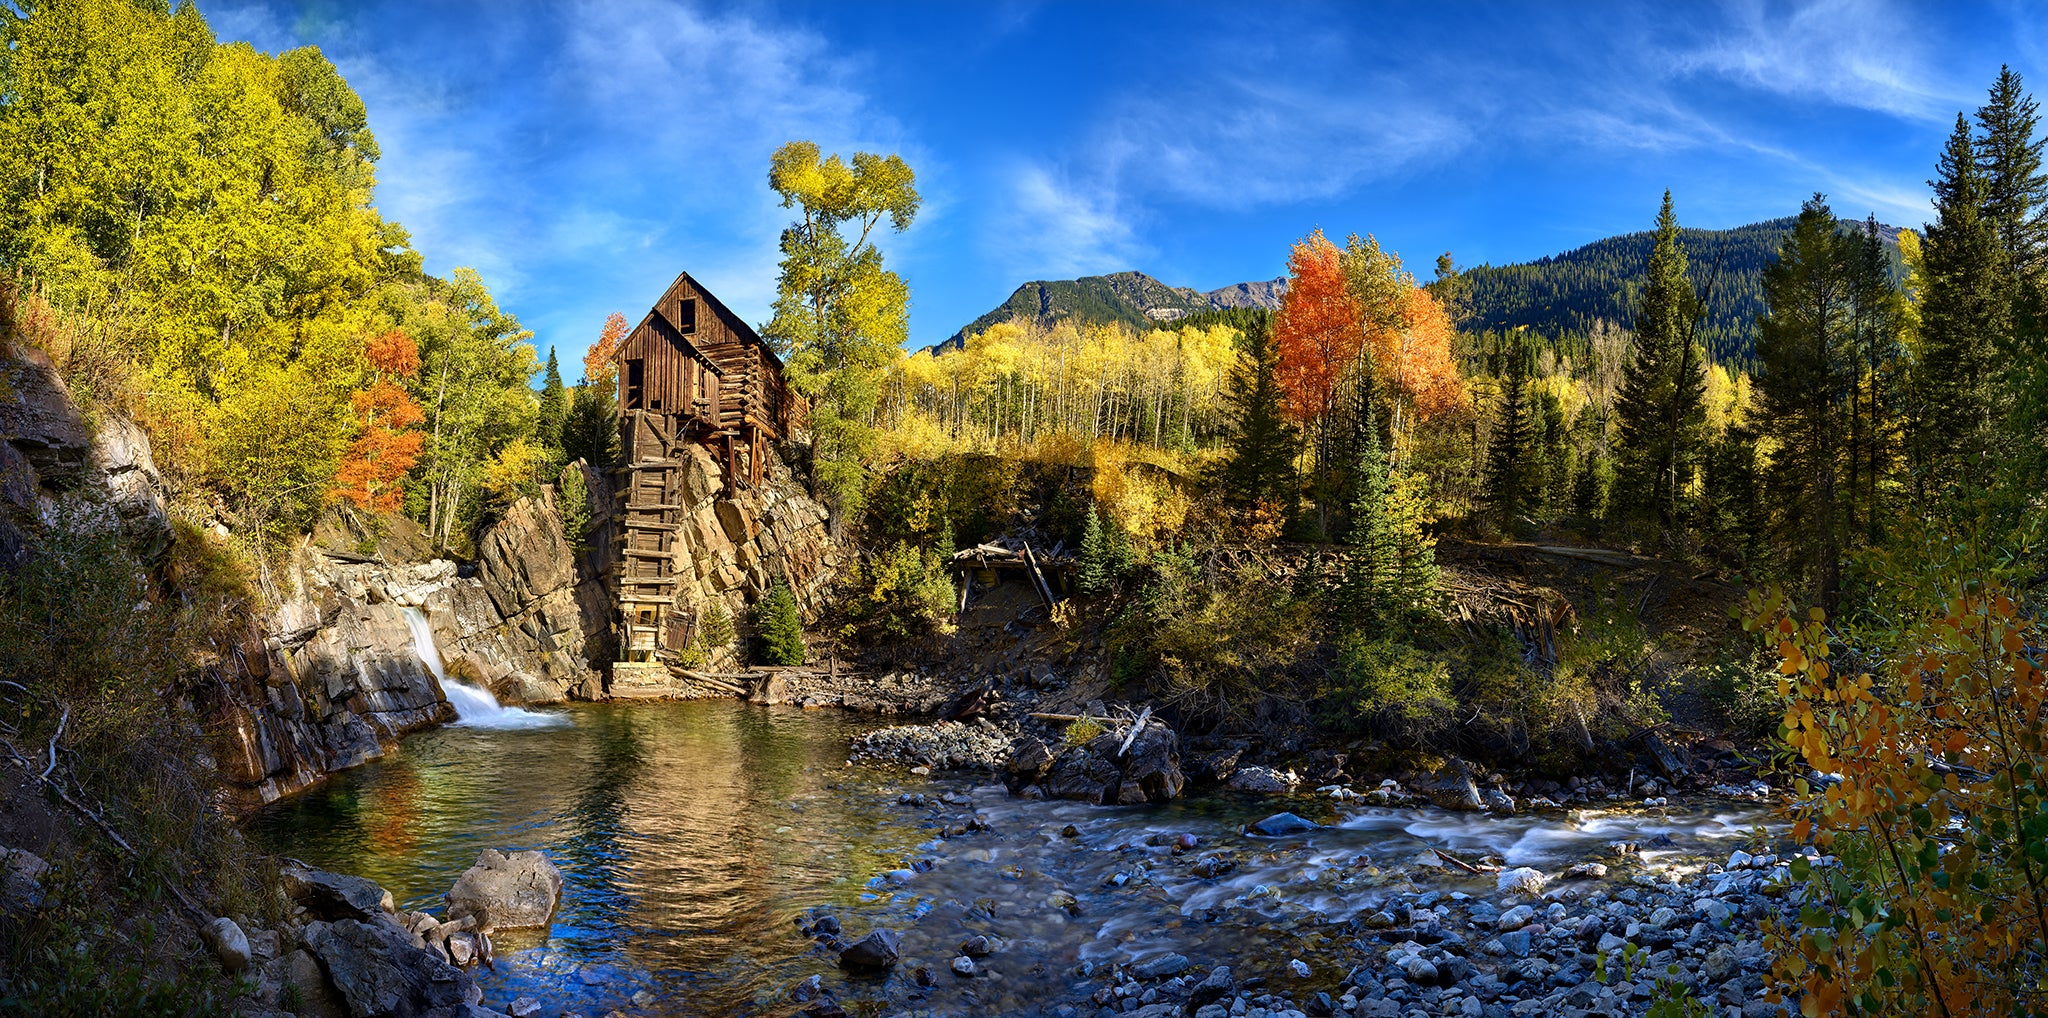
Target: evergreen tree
point(1259, 467)
point(782, 626)
point(1963, 311)
point(1876, 312)
point(1806, 352)
point(591, 430)
point(1661, 405)
point(1093, 572)
point(554, 405)
point(1507, 452)
point(2015, 189)
point(1375, 554)
point(947, 544)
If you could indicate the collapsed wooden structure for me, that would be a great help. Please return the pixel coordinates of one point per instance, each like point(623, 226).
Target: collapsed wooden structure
point(691, 373)
point(1050, 573)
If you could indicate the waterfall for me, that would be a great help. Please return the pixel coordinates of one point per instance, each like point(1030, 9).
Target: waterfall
point(474, 705)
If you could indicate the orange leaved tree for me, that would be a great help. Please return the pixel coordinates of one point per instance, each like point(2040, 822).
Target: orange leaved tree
point(1411, 353)
point(385, 445)
point(1933, 801)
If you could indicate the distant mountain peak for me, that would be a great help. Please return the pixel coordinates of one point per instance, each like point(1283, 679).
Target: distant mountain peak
point(1132, 297)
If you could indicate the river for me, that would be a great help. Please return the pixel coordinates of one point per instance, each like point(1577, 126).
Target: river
point(693, 836)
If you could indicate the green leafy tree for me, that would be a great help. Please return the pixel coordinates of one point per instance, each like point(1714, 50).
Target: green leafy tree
point(1661, 404)
point(840, 317)
point(782, 626)
point(475, 385)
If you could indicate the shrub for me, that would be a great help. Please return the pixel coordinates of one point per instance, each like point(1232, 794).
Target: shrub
point(1391, 689)
point(903, 593)
point(1084, 731)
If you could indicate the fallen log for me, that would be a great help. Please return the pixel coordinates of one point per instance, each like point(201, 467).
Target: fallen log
point(1143, 716)
point(1454, 860)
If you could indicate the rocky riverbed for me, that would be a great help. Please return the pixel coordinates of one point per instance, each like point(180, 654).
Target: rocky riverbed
point(721, 858)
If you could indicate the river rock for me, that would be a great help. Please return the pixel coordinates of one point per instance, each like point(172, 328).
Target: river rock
point(1257, 778)
point(1520, 880)
point(524, 1007)
point(963, 966)
point(228, 943)
point(1449, 786)
point(333, 896)
point(977, 946)
point(1161, 966)
point(1587, 871)
point(379, 971)
point(877, 950)
point(507, 891)
point(1515, 918)
point(1283, 823)
point(1418, 969)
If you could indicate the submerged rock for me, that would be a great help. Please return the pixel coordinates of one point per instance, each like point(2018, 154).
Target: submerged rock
point(877, 950)
point(1283, 823)
point(507, 891)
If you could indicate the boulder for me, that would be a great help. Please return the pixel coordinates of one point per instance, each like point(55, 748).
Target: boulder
point(21, 879)
point(507, 891)
point(1520, 880)
point(1256, 778)
point(877, 950)
point(378, 969)
point(1096, 772)
point(1449, 786)
point(299, 973)
point(332, 896)
point(228, 943)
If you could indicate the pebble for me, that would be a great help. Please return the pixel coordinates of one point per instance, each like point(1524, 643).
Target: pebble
point(963, 966)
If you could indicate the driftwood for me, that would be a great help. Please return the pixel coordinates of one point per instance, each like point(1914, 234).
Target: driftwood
point(1454, 860)
point(714, 681)
point(1143, 716)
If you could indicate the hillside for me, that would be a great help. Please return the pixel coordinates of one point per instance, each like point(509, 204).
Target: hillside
point(1132, 298)
point(1560, 293)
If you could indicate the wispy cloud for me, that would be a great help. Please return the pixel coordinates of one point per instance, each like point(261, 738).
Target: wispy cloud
point(1848, 52)
point(1051, 228)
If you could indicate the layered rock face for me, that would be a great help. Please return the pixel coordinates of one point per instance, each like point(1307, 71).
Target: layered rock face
point(55, 469)
point(339, 671)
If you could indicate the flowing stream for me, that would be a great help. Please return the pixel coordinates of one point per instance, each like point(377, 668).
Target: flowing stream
point(693, 836)
point(474, 705)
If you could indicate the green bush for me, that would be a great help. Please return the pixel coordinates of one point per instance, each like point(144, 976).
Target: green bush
point(1391, 689)
point(1744, 691)
point(903, 593)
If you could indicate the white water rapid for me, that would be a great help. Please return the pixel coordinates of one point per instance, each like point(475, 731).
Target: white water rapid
point(474, 706)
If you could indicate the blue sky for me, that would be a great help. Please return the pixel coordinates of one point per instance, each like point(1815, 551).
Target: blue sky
point(580, 154)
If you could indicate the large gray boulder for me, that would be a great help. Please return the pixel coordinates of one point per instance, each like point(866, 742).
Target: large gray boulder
point(332, 896)
point(380, 971)
point(1097, 772)
point(507, 891)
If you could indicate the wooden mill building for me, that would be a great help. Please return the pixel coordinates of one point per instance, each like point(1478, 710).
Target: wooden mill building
point(691, 373)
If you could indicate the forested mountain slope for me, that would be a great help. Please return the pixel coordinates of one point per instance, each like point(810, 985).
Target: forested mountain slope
point(1133, 298)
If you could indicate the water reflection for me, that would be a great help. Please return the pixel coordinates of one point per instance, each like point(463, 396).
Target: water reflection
point(690, 835)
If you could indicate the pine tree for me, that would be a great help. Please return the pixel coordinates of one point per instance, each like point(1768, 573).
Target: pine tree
point(1375, 554)
point(1259, 466)
point(1092, 574)
point(1807, 369)
point(2015, 189)
point(782, 626)
point(1662, 404)
point(1963, 311)
point(554, 405)
point(1507, 451)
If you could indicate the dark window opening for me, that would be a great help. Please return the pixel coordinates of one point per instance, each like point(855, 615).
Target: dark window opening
point(636, 383)
point(686, 316)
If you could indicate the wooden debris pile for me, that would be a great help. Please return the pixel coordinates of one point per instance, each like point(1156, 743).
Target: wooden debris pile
point(1050, 573)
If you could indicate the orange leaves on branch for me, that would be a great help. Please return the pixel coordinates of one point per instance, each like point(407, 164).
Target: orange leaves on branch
point(597, 361)
point(384, 448)
point(1412, 351)
point(1318, 331)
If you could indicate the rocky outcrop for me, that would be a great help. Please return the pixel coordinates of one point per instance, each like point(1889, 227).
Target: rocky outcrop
point(56, 468)
point(1100, 771)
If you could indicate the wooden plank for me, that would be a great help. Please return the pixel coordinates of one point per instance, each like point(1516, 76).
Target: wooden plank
point(1037, 581)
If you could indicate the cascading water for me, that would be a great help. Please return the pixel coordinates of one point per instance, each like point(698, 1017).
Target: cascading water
point(474, 706)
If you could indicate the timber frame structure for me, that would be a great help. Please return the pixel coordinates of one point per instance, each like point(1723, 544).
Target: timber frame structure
point(691, 373)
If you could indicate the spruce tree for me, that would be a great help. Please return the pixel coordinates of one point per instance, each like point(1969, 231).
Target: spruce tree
point(554, 405)
point(1807, 366)
point(1260, 463)
point(1375, 553)
point(782, 626)
point(1662, 401)
point(1963, 311)
point(1093, 572)
point(2015, 189)
point(1507, 451)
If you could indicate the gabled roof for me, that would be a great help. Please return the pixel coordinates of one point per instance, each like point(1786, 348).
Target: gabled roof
point(725, 314)
point(673, 335)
